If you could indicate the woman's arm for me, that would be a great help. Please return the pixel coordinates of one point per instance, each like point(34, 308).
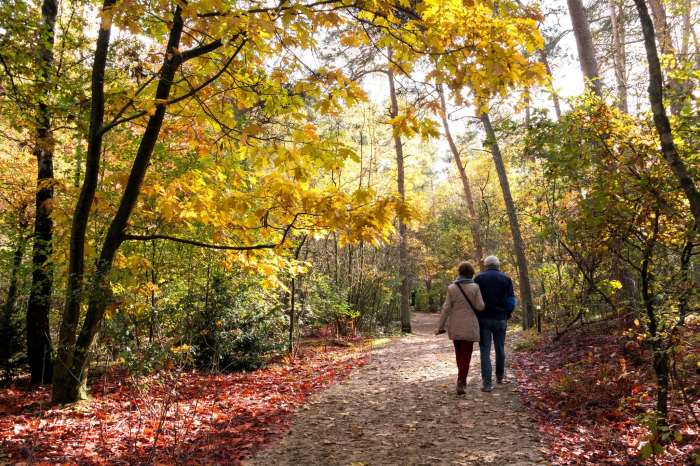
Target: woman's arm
point(446, 311)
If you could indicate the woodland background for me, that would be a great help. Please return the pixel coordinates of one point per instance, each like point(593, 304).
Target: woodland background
point(213, 185)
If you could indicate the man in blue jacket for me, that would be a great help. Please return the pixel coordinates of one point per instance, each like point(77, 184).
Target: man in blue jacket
point(497, 291)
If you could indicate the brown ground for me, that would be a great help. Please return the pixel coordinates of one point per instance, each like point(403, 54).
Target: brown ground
point(401, 409)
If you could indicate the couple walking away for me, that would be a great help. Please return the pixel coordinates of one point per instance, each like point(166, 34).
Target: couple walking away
point(477, 310)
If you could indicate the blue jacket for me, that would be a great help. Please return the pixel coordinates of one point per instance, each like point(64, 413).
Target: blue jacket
point(497, 291)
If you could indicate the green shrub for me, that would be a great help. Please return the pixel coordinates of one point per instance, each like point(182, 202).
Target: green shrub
point(239, 326)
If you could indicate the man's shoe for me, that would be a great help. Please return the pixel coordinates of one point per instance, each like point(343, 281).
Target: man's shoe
point(502, 380)
point(460, 388)
point(486, 389)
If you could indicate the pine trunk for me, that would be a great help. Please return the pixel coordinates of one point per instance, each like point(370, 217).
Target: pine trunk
point(663, 31)
point(679, 90)
point(405, 286)
point(473, 219)
point(518, 243)
point(584, 45)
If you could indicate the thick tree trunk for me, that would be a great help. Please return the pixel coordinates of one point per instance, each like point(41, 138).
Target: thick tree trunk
point(518, 243)
point(663, 126)
point(584, 45)
point(39, 304)
point(619, 56)
point(73, 388)
point(405, 287)
point(66, 384)
point(473, 219)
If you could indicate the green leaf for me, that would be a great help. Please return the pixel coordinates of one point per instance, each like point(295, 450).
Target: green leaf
point(646, 451)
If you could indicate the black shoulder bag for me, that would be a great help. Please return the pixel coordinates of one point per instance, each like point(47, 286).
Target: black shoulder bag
point(465, 297)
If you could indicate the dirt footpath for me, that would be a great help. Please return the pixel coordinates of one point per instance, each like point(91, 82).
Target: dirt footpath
point(401, 409)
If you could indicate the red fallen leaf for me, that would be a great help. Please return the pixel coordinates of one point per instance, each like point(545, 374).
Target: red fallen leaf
point(196, 418)
point(600, 426)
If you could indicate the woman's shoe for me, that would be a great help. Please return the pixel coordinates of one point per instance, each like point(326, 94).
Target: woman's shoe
point(460, 388)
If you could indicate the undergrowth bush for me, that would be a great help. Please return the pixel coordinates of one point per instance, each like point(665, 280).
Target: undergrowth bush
point(237, 328)
point(527, 341)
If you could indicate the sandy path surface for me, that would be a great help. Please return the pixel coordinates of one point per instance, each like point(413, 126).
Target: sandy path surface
point(401, 409)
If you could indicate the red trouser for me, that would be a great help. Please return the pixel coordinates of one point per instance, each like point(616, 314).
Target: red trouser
point(463, 351)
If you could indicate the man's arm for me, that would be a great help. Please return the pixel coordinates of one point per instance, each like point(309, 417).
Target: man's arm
point(510, 298)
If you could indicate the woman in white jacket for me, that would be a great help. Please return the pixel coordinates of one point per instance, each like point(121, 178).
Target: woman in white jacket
point(459, 314)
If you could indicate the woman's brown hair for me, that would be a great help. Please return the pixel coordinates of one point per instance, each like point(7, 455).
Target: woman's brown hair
point(465, 269)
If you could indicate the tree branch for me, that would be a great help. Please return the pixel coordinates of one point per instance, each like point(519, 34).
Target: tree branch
point(192, 54)
point(216, 246)
point(199, 243)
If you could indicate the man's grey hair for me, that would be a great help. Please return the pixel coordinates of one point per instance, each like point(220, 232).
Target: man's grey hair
point(492, 261)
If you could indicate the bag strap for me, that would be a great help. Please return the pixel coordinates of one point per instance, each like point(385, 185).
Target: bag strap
point(465, 296)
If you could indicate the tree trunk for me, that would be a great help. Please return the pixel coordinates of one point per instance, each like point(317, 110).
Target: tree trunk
point(518, 244)
point(64, 381)
point(405, 286)
point(687, 28)
point(584, 45)
point(659, 348)
point(555, 98)
point(428, 291)
point(292, 293)
point(8, 334)
point(473, 219)
point(39, 304)
point(686, 280)
point(619, 56)
point(663, 127)
point(663, 31)
point(292, 300)
point(72, 387)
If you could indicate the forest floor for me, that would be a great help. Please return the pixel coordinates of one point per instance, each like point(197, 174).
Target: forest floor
point(592, 390)
point(401, 408)
point(170, 417)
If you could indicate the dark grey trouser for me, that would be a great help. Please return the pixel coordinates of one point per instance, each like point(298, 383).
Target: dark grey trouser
point(492, 330)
